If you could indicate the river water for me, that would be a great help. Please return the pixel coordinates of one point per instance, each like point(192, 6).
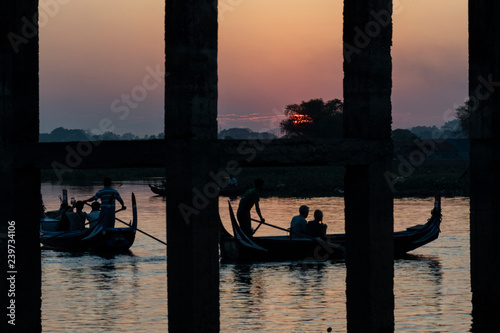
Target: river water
point(128, 292)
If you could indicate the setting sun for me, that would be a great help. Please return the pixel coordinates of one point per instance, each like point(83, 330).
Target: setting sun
point(301, 119)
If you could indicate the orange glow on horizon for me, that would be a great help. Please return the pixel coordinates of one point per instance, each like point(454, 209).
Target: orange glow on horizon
point(298, 119)
point(271, 54)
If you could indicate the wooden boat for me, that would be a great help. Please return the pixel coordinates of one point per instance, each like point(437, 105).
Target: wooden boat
point(226, 191)
point(240, 247)
point(159, 190)
point(229, 191)
point(100, 237)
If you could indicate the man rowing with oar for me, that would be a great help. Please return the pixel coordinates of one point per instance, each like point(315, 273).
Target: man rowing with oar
point(105, 194)
point(247, 201)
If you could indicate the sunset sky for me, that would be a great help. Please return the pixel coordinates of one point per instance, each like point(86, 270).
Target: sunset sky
point(102, 59)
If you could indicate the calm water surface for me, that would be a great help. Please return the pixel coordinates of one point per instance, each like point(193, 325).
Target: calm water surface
point(128, 292)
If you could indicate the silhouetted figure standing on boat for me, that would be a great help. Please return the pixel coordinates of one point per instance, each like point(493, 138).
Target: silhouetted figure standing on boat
point(298, 225)
point(105, 195)
point(247, 201)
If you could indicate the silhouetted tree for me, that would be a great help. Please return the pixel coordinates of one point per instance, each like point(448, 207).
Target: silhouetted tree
point(463, 115)
point(129, 136)
point(453, 129)
point(244, 134)
point(450, 130)
point(425, 132)
point(61, 134)
point(235, 133)
point(314, 119)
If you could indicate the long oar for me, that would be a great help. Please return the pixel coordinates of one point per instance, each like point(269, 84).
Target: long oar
point(145, 233)
point(260, 223)
point(272, 225)
point(323, 243)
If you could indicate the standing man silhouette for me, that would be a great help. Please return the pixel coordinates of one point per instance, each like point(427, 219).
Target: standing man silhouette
point(105, 195)
point(247, 201)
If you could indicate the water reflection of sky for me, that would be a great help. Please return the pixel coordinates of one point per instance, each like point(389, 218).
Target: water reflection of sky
point(126, 293)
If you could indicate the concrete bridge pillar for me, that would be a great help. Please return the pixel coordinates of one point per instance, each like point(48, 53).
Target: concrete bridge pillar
point(20, 270)
point(484, 95)
point(192, 206)
point(368, 199)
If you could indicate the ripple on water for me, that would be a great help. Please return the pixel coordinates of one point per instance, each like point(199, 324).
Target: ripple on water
point(128, 293)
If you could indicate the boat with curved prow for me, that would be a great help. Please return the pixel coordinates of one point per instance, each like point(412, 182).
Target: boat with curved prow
point(241, 247)
point(158, 189)
point(100, 237)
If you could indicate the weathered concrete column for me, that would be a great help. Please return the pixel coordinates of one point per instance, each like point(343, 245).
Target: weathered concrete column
point(484, 94)
point(192, 208)
point(368, 198)
point(20, 182)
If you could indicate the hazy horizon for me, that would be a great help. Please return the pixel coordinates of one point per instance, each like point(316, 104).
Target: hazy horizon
point(104, 60)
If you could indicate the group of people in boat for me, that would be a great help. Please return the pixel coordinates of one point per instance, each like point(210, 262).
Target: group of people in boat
point(74, 218)
point(299, 227)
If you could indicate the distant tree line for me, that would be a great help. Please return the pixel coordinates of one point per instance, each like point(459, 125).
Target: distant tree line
point(318, 119)
point(61, 134)
point(245, 134)
point(312, 119)
point(450, 130)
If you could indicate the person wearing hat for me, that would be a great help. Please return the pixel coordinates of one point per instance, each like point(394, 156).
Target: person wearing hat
point(298, 225)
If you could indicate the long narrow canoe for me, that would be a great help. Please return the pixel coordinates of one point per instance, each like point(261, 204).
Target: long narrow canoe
point(98, 238)
point(241, 247)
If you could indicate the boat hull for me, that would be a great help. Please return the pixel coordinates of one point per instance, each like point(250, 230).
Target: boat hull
point(279, 249)
point(158, 190)
point(97, 238)
point(240, 247)
point(110, 239)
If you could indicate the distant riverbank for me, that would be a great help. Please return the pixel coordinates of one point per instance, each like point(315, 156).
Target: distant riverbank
point(449, 177)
